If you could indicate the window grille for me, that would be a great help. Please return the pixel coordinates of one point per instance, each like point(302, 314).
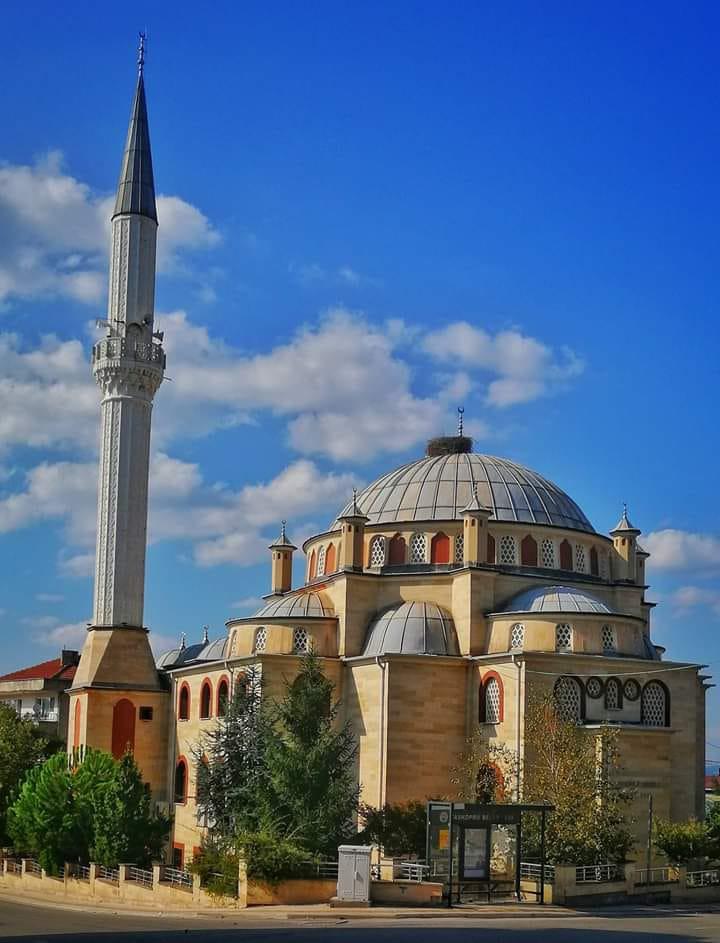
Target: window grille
point(301, 641)
point(594, 688)
point(612, 695)
point(321, 562)
point(418, 548)
point(631, 689)
point(508, 549)
point(654, 706)
point(492, 702)
point(563, 637)
point(377, 551)
point(260, 639)
point(608, 638)
point(568, 697)
point(547, 554)
point(517, 636)
point(580, 561)
point(460, 548)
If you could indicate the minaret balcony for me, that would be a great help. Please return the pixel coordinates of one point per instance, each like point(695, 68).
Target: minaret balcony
point(123, 348)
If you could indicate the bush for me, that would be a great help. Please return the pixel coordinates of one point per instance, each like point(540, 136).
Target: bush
point(398, 829)
point(680, 842)
point(218, 868)
point(271, 858)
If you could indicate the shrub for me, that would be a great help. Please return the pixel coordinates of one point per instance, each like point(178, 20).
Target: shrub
point(398, 829)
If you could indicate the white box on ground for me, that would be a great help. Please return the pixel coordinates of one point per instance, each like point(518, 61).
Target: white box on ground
point(353, 873)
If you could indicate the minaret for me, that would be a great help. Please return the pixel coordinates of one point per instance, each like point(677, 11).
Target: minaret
point(117, 675)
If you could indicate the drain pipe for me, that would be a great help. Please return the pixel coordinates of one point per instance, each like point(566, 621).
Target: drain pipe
point(382, 665)
point(518, 703)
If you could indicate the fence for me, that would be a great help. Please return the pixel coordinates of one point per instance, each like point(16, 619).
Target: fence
point(411, 871)
point(531, 871)
point(139, 875)
point(656, 876)
point(177, 877)
point(319, 869)
point(599, 874)
point(703, 878)
point(108, 874)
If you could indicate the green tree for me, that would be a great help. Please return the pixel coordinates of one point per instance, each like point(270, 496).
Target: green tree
point(126, 828)
point(486, 772)
point(311, 762)
point(681, 842)
point(21, 748)
point(398, 829)
point(576, 770)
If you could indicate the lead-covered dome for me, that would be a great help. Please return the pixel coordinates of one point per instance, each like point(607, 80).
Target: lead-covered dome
point(298, 606)
point(438, 487)
point(412, 628)
point(555, 599)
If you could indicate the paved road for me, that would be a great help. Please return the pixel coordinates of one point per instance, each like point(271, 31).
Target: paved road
point(28, 923)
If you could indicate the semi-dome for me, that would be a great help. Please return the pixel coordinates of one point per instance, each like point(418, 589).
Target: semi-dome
point(298, 606)
point(555, 599)
point(412, 628)
point(438, 487)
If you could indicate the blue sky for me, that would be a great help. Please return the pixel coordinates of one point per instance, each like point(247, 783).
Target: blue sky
point(512, 208)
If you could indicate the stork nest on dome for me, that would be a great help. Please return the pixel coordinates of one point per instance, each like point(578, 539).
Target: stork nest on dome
point(449, 445)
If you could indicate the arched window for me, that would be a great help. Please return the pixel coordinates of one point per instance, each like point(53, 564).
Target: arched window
point(563, 637)
point(312, 569)
point(517, 637)
point(655, 705)
point(460, 548)
point(321, 562)
point(440, 548)
point(397, 551)
point(205, 700)
point(418, 548)
point(603, 565)
point(490, 549)
point(223, 695)
point(508, 550)
point(260, 639)
point(528, 551)
point(548, 554)
point(491, 699)
point(184, 702)
point(377, 551)
point(580, 563)
point(301, 641)
point(330, 565)
point(565, 556)
point(608, 639)
point(594, 564)
point(613, 695)
point(123, 728)
point(569, 698)
point(181, 781)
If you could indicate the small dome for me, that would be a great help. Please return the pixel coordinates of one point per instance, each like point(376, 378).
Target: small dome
point(554, 599)
point(412, 628)
point(438, 487)
point(180, 656)
point(299, 606)
point(214, 650)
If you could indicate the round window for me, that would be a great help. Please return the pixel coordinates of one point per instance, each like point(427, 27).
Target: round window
point(594, 687)
point(631, 690)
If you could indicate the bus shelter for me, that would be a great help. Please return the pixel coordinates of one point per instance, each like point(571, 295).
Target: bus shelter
point(476, 850)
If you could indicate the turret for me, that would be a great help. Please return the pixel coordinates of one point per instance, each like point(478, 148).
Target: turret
point(281, 566)
point(352, 539)
point(624, 536)
point(475, 531)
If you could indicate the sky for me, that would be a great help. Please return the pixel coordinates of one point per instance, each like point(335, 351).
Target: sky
point(370, 214)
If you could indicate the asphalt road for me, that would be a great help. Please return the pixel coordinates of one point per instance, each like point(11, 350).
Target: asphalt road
point(660, 925)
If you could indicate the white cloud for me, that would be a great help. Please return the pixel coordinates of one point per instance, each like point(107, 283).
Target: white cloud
point(49, 597)
point(54, 233)
point(248, 604)
point(76, 566)
point(526, 368)
point(672, 549)
point(48, 630)
point(691, 597)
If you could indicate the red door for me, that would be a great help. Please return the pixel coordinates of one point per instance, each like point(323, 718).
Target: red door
point(123, 728)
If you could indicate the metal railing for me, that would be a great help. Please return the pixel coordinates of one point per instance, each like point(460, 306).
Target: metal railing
point(115, 348)
point(411, 871)
point(13, 866)
point(655, 876)
point(531, 871)
point(108, 874)
point(598, 874)
point(320, 869)
point(140, 876)
point(32, 867)
point(177, 877)
point(703, 878)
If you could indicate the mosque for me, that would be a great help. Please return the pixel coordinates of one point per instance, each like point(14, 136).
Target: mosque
point(439, 598)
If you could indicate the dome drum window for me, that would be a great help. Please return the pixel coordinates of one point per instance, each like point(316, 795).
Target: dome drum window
point(517, 637)
point(301, 641)
point(580, 562)
point(594, 688)
point(377, 551)
point(460, 548)
point(418, 548)
point(321, 562)
point(547, 551)
point(260, 639)
point(569, 698)
point(508, 550)
point(608, 639)
point(563, 637)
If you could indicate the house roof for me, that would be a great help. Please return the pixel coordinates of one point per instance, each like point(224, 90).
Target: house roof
point(53, 670)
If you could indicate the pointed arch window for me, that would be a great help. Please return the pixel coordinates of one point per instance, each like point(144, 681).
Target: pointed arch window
point(260, 639)
point(312, 569)
point(594, 562)
point(566, 562)
point(330, 565)
point(181, 781)
point(205, 700)
point(184, 702)
point(490, 549)
point(321, 562)
point(223, 696)
point(508, 550)
point(377, 551)
point(492, 699)
point(529, 551)
point(548, 554)
point(418, 548)
point(440, 549)
point(301, 641)
point(397, 550)
point(580, 561)
point(613, 695)
point(460, 549)
point(517, 637)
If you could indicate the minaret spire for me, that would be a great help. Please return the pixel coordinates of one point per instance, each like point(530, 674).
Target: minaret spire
point(136, 187)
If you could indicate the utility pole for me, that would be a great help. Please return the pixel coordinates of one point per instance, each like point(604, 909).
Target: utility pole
point(649, 836)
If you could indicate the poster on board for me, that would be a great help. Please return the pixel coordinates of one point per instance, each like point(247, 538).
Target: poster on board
point(475, 854)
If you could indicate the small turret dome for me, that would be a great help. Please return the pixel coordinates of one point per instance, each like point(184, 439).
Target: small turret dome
point(412, 628)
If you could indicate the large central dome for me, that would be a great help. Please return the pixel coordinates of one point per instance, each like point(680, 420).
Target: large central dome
point(438, 487)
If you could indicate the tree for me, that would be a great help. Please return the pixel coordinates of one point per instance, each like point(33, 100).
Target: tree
point(576, 771)
point(126, 828)
point(486, 772)
point(21, 748)
point(681, 842)
point(310, 763)
point(398, 829)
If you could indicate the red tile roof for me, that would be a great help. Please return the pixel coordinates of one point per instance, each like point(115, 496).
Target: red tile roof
point(712, 783)
point(46, 670)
